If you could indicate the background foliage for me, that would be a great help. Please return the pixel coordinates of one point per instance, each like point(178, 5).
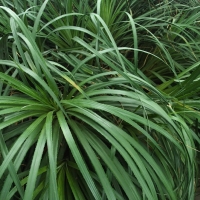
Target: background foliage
point(99, 99)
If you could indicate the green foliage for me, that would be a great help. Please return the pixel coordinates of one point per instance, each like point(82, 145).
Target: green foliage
point(99, 99)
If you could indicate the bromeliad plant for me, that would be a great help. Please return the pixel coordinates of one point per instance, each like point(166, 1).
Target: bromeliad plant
point(99, 100)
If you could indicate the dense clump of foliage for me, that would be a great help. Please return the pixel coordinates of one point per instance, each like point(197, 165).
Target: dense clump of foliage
point(99, 99)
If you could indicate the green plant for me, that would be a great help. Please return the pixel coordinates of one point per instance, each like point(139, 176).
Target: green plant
point(99, 104)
